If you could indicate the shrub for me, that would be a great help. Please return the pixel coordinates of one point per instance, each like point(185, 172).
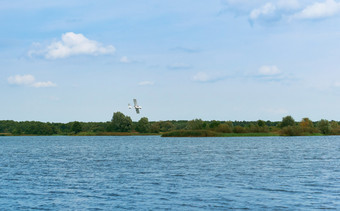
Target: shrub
point(224, 128)
point(287, 121)
point(191, 133)
point(291, 131)
point(143, 125)
point(324, 126)
point(121, 123)
point(155, 127)
point(239, 129)
point(196, 124)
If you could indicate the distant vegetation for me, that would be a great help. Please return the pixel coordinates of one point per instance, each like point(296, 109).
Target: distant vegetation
point(123, 125)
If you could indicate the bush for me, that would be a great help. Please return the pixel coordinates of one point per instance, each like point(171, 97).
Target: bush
point(324, 126)
point(287, 121)
point(258, 129)
point(196, 124)
point(155, 127)
point(335, 128)
point(143, 125)
point(214, 124)
point(307, 126)
point(225, 128)
point(166, 126)
point(191, 133)
point(239, 129)
point(76, 127)
point(121, 123)
point(291, 131)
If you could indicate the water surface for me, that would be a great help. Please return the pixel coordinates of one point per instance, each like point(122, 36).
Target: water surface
point(148, 173)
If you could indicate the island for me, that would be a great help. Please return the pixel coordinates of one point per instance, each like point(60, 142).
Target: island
point(122, 125)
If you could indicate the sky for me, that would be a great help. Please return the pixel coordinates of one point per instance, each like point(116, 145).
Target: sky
point(83, 60)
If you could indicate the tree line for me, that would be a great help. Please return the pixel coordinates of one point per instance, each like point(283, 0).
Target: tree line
point(122, 124)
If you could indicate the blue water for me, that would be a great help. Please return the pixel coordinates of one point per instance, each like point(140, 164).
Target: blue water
point(153, 173)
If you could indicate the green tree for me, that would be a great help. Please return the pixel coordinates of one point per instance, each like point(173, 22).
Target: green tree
point(225, 127)
point(214, 124)
point(196, 124)
point(143, 125)
point(291, 131)
point(17, 131)
point(307, 125)
point(259, 127)
point(166, 126)
point(334, 124)
point(76, 127)
point(324, 126)
point(239, 129)
point(155, 127)
point(121, 123)
point(261, 123)
point(335, 128)
point(287, 121)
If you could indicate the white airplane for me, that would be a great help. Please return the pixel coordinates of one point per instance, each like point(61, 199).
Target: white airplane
point(136, 106)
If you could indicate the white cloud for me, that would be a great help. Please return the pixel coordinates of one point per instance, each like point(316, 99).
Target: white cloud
point(336, 84)
point(265, 10)
point(201, 77)
point(271, 73)
point(124, 59)
point(236, 1)
point(318, 10)
point(146, 83)
point(44, 84)
point(274, 11)
point(288, 4)
point(71, 44)
point(29, 80)
point(241, 4)
point(212, 77)
point(21, 79)
point(268, 70)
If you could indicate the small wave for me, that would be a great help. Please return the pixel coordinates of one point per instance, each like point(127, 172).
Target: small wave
point(112, 194)
point(274, 190)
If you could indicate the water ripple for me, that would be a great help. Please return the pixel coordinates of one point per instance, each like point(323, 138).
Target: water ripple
point(153, 173)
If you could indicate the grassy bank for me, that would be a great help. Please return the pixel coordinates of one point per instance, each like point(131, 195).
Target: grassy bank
point(208, 133)
point(176, 133)
point(248, 134)
point(89, 134)
point(115, 134)
point(191, 133)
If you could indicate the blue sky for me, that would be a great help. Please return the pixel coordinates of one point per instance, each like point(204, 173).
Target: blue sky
point(83, 60)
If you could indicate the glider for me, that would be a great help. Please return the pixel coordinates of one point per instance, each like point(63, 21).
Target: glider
point(136, 106)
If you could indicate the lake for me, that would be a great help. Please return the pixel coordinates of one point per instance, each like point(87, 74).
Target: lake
point(154, 173)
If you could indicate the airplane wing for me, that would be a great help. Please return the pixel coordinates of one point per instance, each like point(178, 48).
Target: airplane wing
point(135, 102)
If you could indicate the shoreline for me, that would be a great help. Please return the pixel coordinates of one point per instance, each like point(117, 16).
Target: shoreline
point(174, 134)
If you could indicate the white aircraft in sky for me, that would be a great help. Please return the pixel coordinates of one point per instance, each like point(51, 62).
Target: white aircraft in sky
point(136, 106)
